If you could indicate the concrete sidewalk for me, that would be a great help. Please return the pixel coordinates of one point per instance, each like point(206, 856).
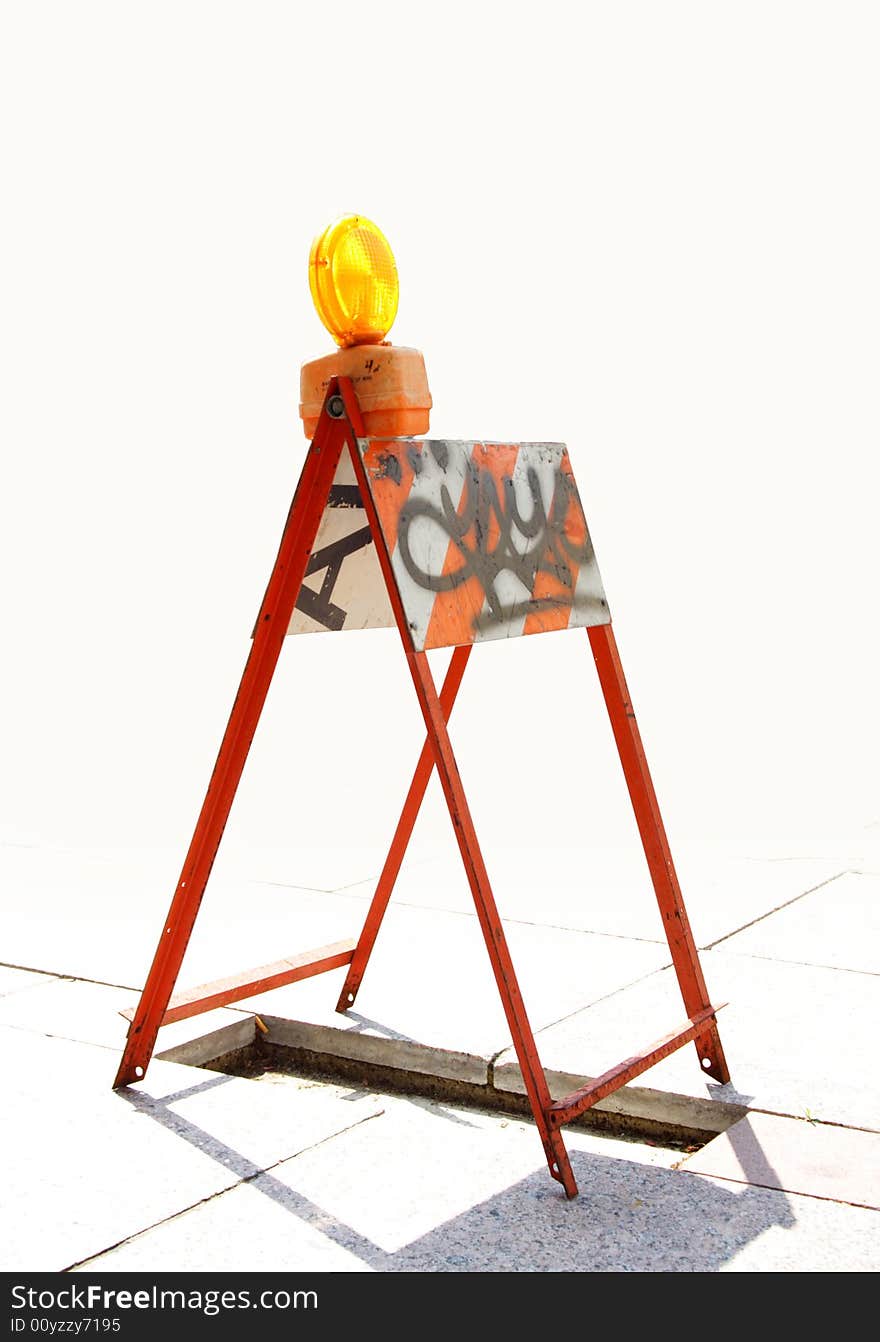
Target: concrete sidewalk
point(198, 1169)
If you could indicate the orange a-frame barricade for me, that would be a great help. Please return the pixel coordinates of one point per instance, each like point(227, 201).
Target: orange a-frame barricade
point(461, 542)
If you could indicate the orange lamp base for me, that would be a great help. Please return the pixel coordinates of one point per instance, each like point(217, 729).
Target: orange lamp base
point(391, 385)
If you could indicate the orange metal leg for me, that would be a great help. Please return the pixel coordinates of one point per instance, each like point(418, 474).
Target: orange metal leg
point(490, 922)
point(402, 835)
point(487, 913)
point(268, 637)
point(653, 835)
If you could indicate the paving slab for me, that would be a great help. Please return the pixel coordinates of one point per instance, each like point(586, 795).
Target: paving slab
point(796, 1038)
point(69, 1009)
point(819, 1160)
point(338, 1177)
point(430, 983)
point(90, 915)
point(259, 1226)
point(93, 1166)
point(21, 980)
point(101, 915)
point(327, 867)
point(608, 890)
point(836, 926)
point(101, 919)
point(90, 1013)
point(420, 1165)
point(426, 1187)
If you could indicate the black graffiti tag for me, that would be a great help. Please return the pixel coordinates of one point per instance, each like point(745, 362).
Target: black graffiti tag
point(318, 605)
point(529, 541)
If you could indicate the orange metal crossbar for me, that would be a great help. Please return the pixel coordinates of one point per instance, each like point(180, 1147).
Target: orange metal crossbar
point(208, 996)
point(563, 1111)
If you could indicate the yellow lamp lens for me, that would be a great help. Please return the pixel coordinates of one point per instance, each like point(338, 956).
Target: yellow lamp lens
point(353, 279)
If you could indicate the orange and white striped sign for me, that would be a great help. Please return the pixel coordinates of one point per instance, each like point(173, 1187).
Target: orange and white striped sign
point(343, 587)
point(487, 540)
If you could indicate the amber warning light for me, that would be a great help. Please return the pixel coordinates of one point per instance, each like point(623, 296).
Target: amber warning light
point(354, 286)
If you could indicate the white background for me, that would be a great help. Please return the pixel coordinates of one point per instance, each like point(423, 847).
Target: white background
point(649, 231)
